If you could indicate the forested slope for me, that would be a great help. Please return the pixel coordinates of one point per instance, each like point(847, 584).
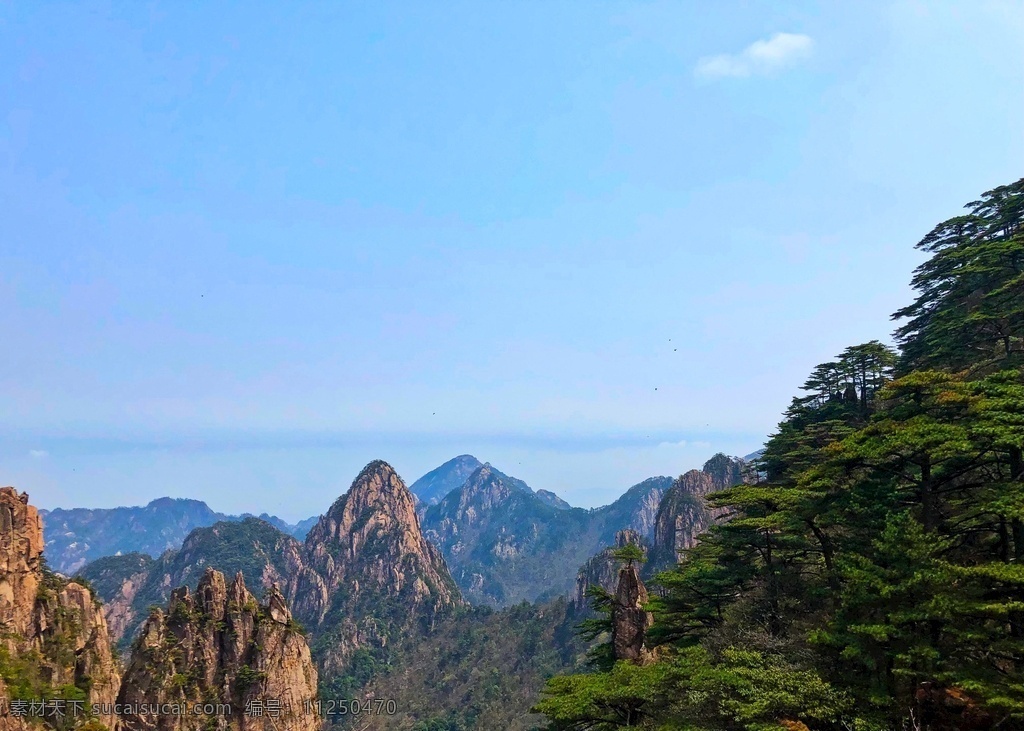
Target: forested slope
point(874, 577)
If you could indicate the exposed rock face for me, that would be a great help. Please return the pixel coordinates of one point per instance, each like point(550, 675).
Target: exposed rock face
point(637, 509)
point(603, 569)
point(724, 471)
point(630, 621)
point(368, 572)
point(684, 512)
point(220, 646)
point(117, 580)
point(54, 622)
point(21, 550)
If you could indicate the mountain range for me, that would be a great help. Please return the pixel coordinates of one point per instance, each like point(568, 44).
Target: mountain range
point(386, 593)
point(76, 536)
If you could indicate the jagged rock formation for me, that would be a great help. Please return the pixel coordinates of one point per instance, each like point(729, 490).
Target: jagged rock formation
point(603, 569)
point(433, 486)
point(684, 512)
point(630, 621)
point(80, 535)
point(254, 547)
point(368, 573)
point(54, 633)
point(220, 646)
point(724, 471)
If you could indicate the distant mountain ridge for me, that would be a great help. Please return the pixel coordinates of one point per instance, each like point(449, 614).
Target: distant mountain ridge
point(76, 536)
point(505, 543)
point(433, 486)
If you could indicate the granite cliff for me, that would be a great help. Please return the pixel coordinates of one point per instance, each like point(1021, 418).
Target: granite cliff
point(368, 575)
point(54, 641)
point(247, 665)
point(684, 512)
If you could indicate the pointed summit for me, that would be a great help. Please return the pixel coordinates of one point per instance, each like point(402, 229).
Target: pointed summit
point(379, 501)
point(220, 647)
point(369, 575)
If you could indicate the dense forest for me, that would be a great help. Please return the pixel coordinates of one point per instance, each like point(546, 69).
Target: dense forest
point(869, 573)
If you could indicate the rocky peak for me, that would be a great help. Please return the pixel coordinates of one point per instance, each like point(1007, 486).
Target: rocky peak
point(368, 568)
point(603, 569)
point(630, 621)
point(377, 493)
point(372, 533)
point(549, 498)
point(483, 490)
point(684, 513)
point(221, 646)
point(21, 550)
point(724, 471)
point(51, 622)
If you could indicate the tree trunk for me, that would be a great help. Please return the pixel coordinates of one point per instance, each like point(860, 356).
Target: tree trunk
point(927, 497)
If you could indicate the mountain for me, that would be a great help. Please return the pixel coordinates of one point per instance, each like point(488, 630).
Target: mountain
point(302, 528)
point(684, 513)
point(220, 646)
point(636, 509)
point(504, 544)
point(80, 535)
point(437, 483)
point(129, 585)
point(369, 576)
point(54, 642)
point(298, 531)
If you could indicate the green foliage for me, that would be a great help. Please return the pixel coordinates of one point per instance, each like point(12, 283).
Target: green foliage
point(881, 552)
point(629, 554)
point(247, 677)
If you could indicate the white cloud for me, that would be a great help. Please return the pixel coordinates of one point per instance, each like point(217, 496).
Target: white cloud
point(37, 453)
point(760, 57)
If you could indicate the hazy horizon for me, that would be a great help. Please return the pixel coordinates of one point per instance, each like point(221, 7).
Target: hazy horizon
point(245, 252)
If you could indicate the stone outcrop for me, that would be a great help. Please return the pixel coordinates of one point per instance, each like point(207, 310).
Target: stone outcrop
point(220, 646)
point(630, 621)
point(369, 574)
point(684, 512)
point(49, 622)
point(603, 569)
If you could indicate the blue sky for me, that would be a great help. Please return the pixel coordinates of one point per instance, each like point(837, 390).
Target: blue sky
point(247, 248)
